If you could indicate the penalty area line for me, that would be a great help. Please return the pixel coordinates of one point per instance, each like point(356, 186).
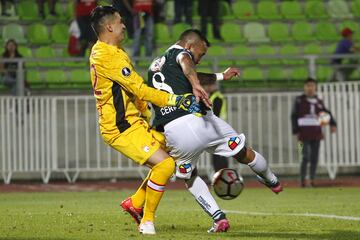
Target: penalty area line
point(331, 216)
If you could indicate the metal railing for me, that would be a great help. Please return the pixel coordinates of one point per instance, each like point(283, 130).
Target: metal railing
point(51, 134)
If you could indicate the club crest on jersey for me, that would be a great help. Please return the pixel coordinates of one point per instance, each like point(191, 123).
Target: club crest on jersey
point(126, 72)
point(233, 142)
point(185, 168)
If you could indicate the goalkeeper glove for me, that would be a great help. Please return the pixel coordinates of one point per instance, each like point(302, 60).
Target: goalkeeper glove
point(186, 102)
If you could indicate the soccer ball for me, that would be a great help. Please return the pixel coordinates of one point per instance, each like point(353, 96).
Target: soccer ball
point(227, 183)
point(324, 118)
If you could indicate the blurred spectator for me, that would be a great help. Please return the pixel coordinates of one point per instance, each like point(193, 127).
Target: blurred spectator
point(306, 125)
point(126, 11)
point(83, 9)
point(143, 21)
point(9, 69)
point(74, 46)
point(210, 8)
point(344, 46)
point(183, 7)
point(51, 5)
point(159, 11)
point(220, 110)
point(3, 8)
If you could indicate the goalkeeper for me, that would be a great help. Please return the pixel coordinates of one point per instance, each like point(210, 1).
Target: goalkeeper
point(121, 97)
point(187, 135)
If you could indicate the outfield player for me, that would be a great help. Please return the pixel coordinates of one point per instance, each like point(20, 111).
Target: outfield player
point(187, 135)
point(120, 99)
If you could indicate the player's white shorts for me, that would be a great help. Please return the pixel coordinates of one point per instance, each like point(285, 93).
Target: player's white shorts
point(188, 136)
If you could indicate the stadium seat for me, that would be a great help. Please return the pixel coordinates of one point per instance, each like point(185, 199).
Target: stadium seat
point(34, 79)
point(231, 33)
point(55, 78)
point(225, 11)
point(252, 74)
point(291, 50)
point(13, 31)
point(339, 9)
point(28, 11)
point(38, 34)
point(169, 10)
point(276, 74)
point(27, 53)
point(255, 33)
point(279, 32)
point(161, 33)
point(315, 9)
point(323, 73)
point(299, 74)
point(266, 50)
point(161, 50)
point(355, 75)
point(330, 49)
point(80, 77)
point(73, 64)
point(302, 31)
point(268, 10)
point(244, 10)
point(291, 10)
point(178, 29)
point(356, 8)
point(243, 51)
point(60, 33)
point(46, 52)
point(326, 31)
point(315, 49)
point(204, 69)
point(60, 13)
point(216, 51)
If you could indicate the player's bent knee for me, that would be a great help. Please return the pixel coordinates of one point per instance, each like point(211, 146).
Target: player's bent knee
point(165, 167)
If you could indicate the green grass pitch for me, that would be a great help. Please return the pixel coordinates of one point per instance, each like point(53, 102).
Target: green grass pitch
point(255, 214)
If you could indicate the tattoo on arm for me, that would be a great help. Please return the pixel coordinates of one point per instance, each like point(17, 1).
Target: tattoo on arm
point(188, 67)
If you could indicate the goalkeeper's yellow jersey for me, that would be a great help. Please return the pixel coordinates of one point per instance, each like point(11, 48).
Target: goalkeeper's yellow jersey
point(120, 92)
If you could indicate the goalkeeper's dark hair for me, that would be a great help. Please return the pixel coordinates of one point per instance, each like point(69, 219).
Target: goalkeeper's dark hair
point(98, 15)
point(310, 80)
point(191, 33)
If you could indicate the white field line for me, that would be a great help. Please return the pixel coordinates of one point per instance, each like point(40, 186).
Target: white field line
point(296, 214)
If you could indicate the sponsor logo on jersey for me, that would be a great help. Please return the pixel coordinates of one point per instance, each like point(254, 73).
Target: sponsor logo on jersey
point(126, 72)
point(233, 142)
point(146, 149)
point(185, 168)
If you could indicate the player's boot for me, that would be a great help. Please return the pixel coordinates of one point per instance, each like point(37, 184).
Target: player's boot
point(221, 225)
point(275, 187)
point(147, 228)
point(136, 213)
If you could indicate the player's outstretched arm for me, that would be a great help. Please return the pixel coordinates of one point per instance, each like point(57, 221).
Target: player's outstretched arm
point(189, 70)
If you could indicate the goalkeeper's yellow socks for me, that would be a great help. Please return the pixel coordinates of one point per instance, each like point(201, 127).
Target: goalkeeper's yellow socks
point(138, 199)
point(159, 176)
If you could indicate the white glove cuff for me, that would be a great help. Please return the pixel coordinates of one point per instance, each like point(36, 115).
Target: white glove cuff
point(219, 76)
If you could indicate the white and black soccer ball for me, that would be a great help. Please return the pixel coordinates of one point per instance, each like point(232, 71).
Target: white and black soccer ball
point(227, 183)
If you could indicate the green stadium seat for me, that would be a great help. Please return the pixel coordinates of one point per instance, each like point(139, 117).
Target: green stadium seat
point(355, 75)
point(225, 11)
point(291, 50)
point(354, 26)
point(323, 73)
point(315, 49)
point(60, 13)
point(302, 31)
point(231, 33)
point(25, 51)
point(195, 10)
point(46, 52)
point(252, 74)
point(60, 33)
point(243, 51)
point(161, 50)
point(279, 32)
point(216, 51)
point(356, 8)
point(69, 10)
point(276, 74)
point(28, 11)
point(266, 50)
point(244, 10)
point(34, 79)
point(326, 31)
point(73, 64)
point(13, 31)
point(339, 9)
point(38, 34)
point(162, 33)
point(169, 10)
point(80, 77)
point(315, 9)
point(178, 29)
point(204, 69)
point(330, 49)
point(255, 32)
point(299, 74)
point(55, 78)
point(268, 10)
point(291, 10)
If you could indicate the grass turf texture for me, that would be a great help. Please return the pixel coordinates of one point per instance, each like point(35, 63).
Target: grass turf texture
point(96, 215)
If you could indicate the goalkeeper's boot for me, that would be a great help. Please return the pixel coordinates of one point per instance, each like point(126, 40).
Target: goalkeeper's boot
point(136, 213)
point(275, 187)
point(147, 228)
point(221, 225)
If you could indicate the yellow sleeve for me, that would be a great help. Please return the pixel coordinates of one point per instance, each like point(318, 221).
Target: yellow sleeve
point(124, 74)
